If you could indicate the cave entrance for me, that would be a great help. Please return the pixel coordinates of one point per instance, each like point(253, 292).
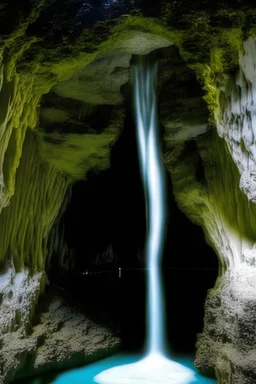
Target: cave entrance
point(104, 229)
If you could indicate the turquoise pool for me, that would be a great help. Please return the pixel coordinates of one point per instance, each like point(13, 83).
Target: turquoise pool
point(86, 375)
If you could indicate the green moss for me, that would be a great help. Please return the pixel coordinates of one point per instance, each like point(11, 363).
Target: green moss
point(26, 222)
point(73, 154)
point(148, 25)
point(109, 41)
point(220, 56)
point(53, 115)
point(217, 204)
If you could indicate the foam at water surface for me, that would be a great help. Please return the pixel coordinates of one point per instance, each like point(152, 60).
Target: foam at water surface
point(153, 369)
point(107, 369)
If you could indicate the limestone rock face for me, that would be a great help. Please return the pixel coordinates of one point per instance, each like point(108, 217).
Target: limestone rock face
point(206, 185)
point(212, 170)
point(236, 121)
point(229, 333)
point(19, 293)
point(61, 338)
point(227, 346)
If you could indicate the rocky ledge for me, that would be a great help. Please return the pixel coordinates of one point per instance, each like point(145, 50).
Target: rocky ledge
point(61, 338)
point(226, 348)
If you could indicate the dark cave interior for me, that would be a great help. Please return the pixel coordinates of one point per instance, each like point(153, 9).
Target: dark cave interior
point(105, 227)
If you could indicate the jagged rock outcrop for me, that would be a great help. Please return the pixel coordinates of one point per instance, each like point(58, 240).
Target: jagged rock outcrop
point(62, 336)
point(236, 120)
point(226, 348)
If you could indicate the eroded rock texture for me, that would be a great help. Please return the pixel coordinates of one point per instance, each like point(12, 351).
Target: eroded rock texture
point(236, 121)
point(61, 337)
point(213, 181)
point(227, 346)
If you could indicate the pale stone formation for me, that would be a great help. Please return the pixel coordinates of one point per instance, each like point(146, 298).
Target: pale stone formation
point(227, 346)
point(214, 183)
point(236, 120)
point(18, 294)
point(60, 338)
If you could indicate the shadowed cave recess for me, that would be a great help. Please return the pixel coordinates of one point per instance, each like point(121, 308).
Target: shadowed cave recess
point(72, 207)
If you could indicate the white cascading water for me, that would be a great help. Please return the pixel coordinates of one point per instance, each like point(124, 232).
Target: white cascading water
point(153, 178)
point(155, 368)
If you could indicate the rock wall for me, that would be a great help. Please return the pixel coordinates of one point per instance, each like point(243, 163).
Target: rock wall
point(206, 185)
point(26, 222)
point(226, 348)
point(214, 183)
point(60, 337)
point(236, 118)
point(18, 103)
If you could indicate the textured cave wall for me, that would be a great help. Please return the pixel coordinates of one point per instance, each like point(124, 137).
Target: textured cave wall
point(206, 185)
point(24, 228)
point(230, 308)
point(213, 180)
point(236, 117)
point(226, 347)
point(26, 222)
point(17, 113)
point(58, 252)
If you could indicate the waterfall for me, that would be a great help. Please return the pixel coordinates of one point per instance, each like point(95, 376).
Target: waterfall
point(144, 76)
point(155, 368)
